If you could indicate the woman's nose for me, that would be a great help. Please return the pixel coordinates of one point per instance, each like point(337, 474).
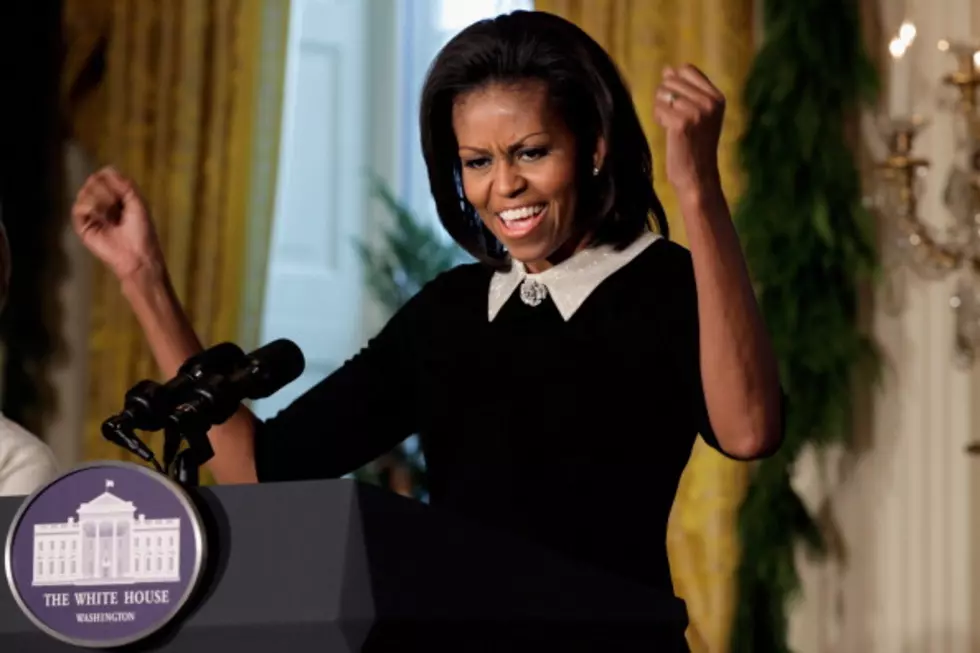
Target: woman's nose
point(509, 182)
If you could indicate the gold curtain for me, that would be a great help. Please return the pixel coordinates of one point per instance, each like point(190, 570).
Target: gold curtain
point(184, 97)
point(643, 36)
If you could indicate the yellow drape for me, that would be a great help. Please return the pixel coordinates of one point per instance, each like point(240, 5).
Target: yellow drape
point(643, 36)
point(178, 107)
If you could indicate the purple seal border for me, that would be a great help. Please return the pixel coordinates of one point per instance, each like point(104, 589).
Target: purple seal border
point(197, 566)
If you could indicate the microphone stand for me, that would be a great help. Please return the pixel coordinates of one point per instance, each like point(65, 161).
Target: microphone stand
point(172, 439)
point(184, 468)
point(185, 471)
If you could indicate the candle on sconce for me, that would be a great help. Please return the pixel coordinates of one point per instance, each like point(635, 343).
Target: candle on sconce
point(900, 82)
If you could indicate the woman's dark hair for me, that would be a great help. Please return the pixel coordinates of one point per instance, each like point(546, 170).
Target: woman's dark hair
point(584, 87)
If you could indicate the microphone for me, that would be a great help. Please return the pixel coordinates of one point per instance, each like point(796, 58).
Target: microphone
point(148, 404)
point(128, 440)
point(217, 397)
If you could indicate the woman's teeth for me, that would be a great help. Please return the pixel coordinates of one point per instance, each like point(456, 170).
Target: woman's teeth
point(520, 222)
point(522, 213)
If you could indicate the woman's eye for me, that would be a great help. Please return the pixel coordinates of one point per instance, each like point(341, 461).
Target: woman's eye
point(476, 163)
point(533, 154)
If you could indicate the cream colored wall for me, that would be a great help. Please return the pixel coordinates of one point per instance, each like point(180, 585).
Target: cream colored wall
point(905, 506)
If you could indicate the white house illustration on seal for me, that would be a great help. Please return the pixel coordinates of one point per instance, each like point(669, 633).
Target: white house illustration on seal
point(109, 544)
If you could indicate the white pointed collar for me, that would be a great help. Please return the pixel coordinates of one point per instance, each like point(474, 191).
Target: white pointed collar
point(569, 283)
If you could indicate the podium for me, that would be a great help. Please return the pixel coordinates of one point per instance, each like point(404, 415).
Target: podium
point(338, 566)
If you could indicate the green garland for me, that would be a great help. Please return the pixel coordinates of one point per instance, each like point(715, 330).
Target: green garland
point(809, 243)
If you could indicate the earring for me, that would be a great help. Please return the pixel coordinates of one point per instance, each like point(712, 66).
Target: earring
point(595, 171)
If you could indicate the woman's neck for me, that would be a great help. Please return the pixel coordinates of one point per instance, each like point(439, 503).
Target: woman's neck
point(565, 251)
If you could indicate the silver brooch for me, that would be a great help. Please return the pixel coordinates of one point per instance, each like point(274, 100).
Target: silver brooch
point(533, 292)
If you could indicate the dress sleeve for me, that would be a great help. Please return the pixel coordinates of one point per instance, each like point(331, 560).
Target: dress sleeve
point(359, 412)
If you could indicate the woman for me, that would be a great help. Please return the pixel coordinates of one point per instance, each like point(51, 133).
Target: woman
point(26, 463)
point(558, 383)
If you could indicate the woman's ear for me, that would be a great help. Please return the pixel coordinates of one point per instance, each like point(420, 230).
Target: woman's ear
point(599, 158)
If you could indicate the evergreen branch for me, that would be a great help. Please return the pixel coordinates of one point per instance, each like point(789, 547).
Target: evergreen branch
point(809, 243)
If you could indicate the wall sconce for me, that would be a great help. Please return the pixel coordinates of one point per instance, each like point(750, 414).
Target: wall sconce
point(900, 184)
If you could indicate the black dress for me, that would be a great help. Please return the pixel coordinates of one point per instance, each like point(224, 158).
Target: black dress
point(570, 427)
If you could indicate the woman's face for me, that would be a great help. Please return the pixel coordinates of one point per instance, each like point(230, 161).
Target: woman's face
point(518, 163)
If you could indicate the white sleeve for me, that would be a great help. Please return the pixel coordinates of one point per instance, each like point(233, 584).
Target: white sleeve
point(26, 464)
point(28, 476)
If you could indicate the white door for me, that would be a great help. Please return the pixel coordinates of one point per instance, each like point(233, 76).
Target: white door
point(314, 288)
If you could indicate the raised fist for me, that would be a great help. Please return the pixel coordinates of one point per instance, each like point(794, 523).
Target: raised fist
point(112, 220)
point(692, 111)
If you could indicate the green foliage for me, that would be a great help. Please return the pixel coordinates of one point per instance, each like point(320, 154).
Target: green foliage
point(411, 254)
point(809, 243)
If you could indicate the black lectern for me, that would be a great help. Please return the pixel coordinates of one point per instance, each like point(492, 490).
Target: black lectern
point(338, 566)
